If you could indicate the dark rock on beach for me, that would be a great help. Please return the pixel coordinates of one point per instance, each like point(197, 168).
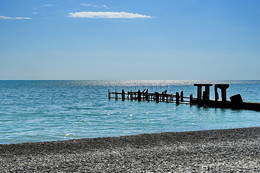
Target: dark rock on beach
point(232, 150)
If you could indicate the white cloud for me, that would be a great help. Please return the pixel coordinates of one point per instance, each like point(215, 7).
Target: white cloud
point(15, 18)
point(111, 15)
point(95, 6)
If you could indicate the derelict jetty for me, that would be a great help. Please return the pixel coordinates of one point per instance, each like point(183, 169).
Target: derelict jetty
point(203, 97)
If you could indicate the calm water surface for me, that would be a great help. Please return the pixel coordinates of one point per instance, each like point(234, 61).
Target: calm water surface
point(33, 111)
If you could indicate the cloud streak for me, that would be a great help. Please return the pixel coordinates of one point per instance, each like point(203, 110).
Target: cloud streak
point(43, 6)
point(15, 18)
point(108, 15)
point(95, 6)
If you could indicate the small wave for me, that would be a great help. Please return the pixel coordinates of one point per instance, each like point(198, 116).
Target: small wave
point(79, 108)
point(67, 135)
point(92, 114)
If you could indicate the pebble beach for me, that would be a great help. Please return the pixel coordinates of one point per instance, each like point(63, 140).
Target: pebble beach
point(230, 150)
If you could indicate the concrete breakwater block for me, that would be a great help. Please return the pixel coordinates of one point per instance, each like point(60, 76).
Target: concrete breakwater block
point(236, 99)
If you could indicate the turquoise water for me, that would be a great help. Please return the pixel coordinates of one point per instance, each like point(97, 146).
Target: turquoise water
point(33, 111)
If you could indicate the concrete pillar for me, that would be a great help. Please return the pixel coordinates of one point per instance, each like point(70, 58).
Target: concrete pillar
point(224, 94)
point(207, 91)
point(199, 88)
point(223, 88)
point(204, 96)
point(216, 93)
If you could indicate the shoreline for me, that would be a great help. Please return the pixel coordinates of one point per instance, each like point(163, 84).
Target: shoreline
point(204, 151)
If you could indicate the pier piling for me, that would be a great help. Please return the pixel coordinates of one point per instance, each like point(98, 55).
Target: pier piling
point(157, 99)
point(146, 96)
point(177, 98)
point(116, 95)
point(139, 97)
point(123, 95)
point(182, 96)
point(109, 94)
point(191, 98)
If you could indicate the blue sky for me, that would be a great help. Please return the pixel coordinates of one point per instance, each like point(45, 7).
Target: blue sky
point(130, 39)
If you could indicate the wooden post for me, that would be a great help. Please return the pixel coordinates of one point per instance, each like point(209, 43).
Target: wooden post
point(177, 98)
point(146, 95)
point(191, 98)
point(139, 96)
point(109, 94)
point(157, 98)
point(116, 94)
point(130, 95)
point(181, 96)
point(163, 97)
point(123, 95)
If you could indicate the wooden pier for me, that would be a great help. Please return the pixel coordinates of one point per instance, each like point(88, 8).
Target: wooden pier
point(146, 96)
point(203, 97)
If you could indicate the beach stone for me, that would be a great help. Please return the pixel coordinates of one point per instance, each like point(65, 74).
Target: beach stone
point(233, 150)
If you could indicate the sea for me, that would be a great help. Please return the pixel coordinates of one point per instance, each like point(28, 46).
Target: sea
point(55, 110)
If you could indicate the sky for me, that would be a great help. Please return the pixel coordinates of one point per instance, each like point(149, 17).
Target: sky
point(129, 40)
